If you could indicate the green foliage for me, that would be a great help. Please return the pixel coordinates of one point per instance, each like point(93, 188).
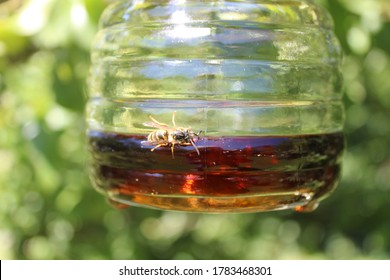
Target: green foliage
point(48, 209)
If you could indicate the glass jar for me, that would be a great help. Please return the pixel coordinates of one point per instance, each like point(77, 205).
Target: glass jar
point(215, 106)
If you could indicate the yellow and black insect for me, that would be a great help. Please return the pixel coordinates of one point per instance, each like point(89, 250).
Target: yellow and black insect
point(166, 136)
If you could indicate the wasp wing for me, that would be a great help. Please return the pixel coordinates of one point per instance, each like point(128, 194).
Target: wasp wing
point(156, 124)
point(146, 143)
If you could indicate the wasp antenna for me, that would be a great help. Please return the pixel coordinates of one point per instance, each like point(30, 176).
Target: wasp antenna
point(197, 134)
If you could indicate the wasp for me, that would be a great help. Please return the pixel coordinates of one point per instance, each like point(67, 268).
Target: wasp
point(166, 136)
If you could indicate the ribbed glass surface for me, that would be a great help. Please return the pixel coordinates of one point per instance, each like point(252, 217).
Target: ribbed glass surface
point(216, 106)
point(258, 67)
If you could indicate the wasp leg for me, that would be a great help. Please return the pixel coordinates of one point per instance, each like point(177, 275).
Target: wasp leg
point(172, 148)
point(191, 144)
point(173, 119)
point(158, 146)
point(196, 148)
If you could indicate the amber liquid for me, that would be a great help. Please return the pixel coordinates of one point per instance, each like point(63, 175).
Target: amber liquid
point(231, 174)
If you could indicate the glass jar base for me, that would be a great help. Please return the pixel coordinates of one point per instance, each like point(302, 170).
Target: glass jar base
point(211, 205)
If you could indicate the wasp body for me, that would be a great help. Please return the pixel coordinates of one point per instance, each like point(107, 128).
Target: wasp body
point(166, 136)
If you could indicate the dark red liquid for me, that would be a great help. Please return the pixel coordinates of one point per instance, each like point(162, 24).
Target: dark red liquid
point(235, 174)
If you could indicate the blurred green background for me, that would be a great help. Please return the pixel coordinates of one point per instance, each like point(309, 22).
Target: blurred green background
point(48, 209)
